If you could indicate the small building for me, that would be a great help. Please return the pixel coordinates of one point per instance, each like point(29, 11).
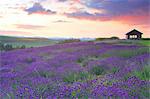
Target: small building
point(134, 34)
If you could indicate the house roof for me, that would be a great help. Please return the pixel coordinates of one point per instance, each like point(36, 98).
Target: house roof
point(134, 32)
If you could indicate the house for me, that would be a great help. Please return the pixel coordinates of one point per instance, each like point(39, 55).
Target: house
point(134, 34)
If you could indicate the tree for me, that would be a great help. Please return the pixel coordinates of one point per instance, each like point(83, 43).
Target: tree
point(1, 46)
point(8, 47)
point(114, 38)
point(23, 46)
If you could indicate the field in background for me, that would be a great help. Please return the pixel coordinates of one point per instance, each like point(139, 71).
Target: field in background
point(28, 42)
point(39, 42)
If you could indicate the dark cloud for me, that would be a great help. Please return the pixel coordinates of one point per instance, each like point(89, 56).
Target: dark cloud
point(119, 7)
point(115, 9)
point(38, 8)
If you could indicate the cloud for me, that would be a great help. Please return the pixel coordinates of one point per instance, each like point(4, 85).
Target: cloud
point(26, 26)
point(37, 8)
point(113, 5)
point(134, 19)
point(125, 7)
point(69, 0)
point(126, 11)
point(62, 0)
point(61, 21)
point(11, 32)
point(88, 16)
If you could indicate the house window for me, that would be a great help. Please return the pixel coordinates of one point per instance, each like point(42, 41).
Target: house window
point(133, 36)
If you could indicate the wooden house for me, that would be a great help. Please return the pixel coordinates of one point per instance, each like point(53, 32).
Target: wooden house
point(134, 34)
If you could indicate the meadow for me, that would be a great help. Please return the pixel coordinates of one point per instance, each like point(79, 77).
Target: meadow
point(118, 69)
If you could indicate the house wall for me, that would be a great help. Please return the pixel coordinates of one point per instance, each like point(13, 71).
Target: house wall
point(137, 36)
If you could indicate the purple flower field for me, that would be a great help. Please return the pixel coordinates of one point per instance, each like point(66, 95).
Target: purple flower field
point(79, 70)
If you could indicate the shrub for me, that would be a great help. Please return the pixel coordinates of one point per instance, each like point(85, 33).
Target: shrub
point(69, 41)
point(114, 38)
point(83, 61)
point(70, 78)
point(145, 38)
point(23, 46)
point(111, 38)
point(97, 70)
point(145, 92)
point(8, 47)
point(100, 39)
point(29, 60)
point(1, 46)
point(115, 70)
point(73, 77)
point(143, 74)
point(46, 74)
point(80, 60)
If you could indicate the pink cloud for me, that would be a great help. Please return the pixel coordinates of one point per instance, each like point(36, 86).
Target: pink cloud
point(142, 19)
point(3, 32)
point(26, 26)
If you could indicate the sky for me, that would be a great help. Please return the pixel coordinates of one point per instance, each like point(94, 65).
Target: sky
point(74, 18)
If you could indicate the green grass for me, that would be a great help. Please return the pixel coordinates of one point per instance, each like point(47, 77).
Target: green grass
point(32, 44)
point(83, 61)
point(97, 70)
point(145, 92)
point(143, 74)
point(80, 76)
point(144, 42)
point(131, 53)
point(46, 74)
point(115, 70)
point(135, 42)
point(126, 53)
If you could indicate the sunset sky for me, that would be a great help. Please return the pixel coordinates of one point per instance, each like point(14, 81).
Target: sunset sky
point(74, 18)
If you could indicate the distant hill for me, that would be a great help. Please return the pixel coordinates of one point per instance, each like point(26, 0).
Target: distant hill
point(27, 41)
point(23, 39)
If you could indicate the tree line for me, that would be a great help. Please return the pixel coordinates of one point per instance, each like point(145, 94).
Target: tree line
point(8, 47)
